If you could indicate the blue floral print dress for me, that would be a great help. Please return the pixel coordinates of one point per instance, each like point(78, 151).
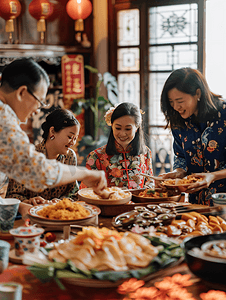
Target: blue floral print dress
point(201, 148)
point(123, 169)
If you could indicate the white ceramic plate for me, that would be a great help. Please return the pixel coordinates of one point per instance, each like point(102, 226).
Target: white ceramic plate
point(94, 211)
point(83, 197)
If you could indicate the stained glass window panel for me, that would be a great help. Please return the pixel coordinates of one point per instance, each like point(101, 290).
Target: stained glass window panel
point(156, 82)
point(128, 59)
point(173, 24)
point(129, 88)
point(128, 27)
point(161, 147)
point(172, 57)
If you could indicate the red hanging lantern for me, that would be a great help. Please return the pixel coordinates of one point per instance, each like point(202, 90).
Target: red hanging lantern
point(79, 10)
point(9, 10)
point(41, 10)
point(57, 9)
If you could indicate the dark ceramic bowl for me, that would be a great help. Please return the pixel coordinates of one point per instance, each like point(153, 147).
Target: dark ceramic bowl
point(166, 219)
point(208, 268)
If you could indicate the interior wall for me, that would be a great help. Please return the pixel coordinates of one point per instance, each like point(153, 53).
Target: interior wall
point(100, 27)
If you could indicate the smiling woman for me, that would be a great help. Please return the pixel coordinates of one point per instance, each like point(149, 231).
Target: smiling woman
point(60, 131)
point(125, 156)
point(196, 117)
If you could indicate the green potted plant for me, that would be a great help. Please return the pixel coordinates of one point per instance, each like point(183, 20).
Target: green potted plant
point(98, 106)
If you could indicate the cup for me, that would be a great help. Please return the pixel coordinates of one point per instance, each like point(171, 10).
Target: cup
point(8, 211)
point(10, 291)
point(4, 255)
point(26, 239)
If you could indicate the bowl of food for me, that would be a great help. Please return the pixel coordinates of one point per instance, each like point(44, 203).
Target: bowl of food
point(206, 256)
point(117, 196)
point(181, 184)
point(156, 196)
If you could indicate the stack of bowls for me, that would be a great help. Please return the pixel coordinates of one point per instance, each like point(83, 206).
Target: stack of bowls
point(219, 199)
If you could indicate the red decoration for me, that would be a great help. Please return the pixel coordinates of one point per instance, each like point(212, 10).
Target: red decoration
point(9, 10)
point(57, 9)
point(27, 223)
point(50, 237)
point(72, 66)
point(41, 10)
point(79, 10)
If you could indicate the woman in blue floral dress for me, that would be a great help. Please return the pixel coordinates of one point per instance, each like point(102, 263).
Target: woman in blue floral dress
point(197, 118)
point(125, 155)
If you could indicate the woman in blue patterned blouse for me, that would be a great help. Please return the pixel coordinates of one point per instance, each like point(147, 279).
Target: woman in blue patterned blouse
point(197, 118)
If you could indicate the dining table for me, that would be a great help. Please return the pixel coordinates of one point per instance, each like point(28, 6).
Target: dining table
point(34, 289)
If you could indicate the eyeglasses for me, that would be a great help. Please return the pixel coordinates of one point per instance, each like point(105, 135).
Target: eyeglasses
point(36, 98)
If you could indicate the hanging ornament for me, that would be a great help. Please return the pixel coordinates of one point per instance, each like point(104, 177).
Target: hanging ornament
point(9, 10)
point(79, 10)
point(41, 10)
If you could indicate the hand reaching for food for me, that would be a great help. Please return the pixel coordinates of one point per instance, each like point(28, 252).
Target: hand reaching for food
point(205, 180)
point(36, 201)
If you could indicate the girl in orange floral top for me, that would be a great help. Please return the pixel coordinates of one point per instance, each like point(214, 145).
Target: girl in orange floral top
point(125, 155)
point(197, 118)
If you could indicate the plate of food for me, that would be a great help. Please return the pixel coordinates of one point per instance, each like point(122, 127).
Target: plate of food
point(181, 184)
point(63, 212)
point(143, 218)
point(166, 221)
point(118, 196)
point(159, 195)
point(101, 257)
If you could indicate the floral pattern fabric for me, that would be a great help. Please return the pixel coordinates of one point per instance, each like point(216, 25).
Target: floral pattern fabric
point(18, 158)
point(201, 148)
point(17, 190)
point(123, 169)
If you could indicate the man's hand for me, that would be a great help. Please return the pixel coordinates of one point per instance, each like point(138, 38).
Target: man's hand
point(96, 180)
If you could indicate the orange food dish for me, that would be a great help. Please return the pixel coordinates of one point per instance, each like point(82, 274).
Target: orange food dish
point(148, 193)
point(188, 180)
point(195, 224)
point(64, 210)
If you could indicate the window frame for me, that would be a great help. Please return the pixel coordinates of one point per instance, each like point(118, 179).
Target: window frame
point(116, 5)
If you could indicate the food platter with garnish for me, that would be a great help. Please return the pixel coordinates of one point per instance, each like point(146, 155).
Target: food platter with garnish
point(111, 261)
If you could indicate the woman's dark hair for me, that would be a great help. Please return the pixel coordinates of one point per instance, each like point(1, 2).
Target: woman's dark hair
point(23, 71)
point(59, 118)
point(138, 143)
point(188, 80)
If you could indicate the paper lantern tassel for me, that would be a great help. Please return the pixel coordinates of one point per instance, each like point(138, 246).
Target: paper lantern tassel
point(41, 25)
point(9, 25)
point(79, 25)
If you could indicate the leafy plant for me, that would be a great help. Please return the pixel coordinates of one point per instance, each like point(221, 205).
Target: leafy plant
point(98, 105)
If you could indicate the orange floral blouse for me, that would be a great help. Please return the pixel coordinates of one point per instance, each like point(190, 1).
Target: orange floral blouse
point(123, 169)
